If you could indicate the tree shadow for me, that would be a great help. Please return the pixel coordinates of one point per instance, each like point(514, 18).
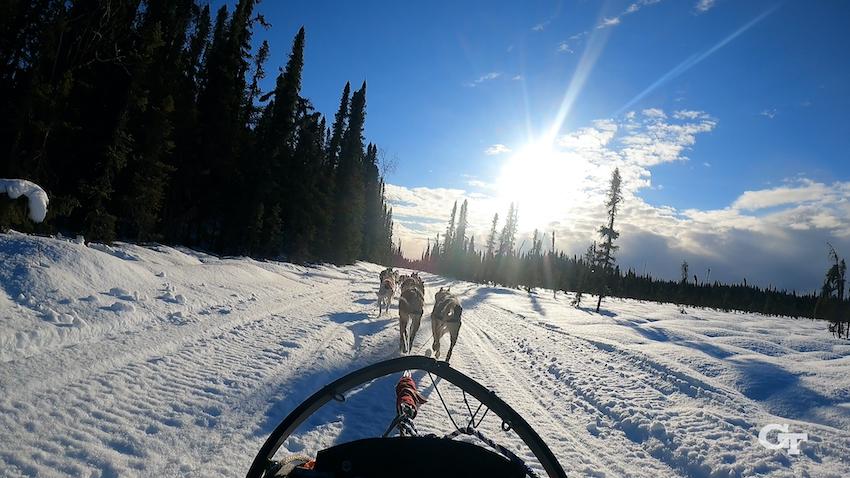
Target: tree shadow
point(782, 393)
point(535, 304)
point(592, 310)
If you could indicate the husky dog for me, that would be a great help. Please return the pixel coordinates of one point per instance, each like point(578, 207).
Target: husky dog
point(445, 317)
point(412, 280)
point(385, 295)
point(410, 307)
point(388, 273)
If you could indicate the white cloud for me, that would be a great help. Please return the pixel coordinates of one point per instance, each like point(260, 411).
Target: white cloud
point(688, 114)
point(481, 79)
point(773, 235)
point(568, 45)
point(609, 22)
point(564, 47)
point(517, 77)
point(497, 149)
point(476, 183)
point(803, 191)
point(658, 141)
point(769, 113)
point(654, 113)
point(540, 26)
point(703, 6)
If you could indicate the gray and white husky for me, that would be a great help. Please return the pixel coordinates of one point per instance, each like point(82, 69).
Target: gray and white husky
point(411, 281)
point(445, 318)
point(385, 295)
point(410, 308)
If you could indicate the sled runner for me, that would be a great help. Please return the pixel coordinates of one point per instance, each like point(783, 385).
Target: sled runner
point(410, 455)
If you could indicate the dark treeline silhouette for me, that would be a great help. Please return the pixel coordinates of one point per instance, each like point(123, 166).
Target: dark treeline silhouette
point(501, 262)
point(144, 120)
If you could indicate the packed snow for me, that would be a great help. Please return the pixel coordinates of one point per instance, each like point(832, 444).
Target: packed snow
point(36, 197)
point(125, 360)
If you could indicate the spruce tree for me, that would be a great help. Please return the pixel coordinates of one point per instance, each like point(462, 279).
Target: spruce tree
point(491, 238)
point(605, 261)
point(508, 235)
point(450, 231)
point(460, 229)
point(338, 128)
point(349, 198)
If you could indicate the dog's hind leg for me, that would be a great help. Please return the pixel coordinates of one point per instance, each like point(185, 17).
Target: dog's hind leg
point(454, 330)
point(437, 331)
point(402, 331)
point(414, 328)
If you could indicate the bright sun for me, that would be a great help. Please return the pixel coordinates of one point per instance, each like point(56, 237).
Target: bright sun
point(542, 181)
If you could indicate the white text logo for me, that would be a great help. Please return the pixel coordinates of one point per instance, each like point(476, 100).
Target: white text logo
point(791, 441)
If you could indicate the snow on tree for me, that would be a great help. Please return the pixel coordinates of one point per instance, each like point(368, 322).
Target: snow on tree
point(38, 200)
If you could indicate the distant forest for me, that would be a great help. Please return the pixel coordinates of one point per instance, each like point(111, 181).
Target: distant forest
point(145, 121)
point(499, 260)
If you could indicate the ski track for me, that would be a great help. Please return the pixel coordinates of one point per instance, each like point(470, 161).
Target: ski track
point(168, 394)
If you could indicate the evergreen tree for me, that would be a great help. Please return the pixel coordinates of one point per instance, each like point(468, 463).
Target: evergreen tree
point(587, 273)
point(831, 304)
point(508, 235)
point(339, 125)
point(349, 198)
point(491, 238)
point(460, 230)
point(450, 232)
point(605, 261)
point(141, 191)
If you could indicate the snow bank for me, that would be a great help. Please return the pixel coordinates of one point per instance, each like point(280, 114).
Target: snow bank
point(15, 188)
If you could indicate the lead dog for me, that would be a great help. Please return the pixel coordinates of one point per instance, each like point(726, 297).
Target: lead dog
point(385, 295)
point(445, 317)
point(410, 308)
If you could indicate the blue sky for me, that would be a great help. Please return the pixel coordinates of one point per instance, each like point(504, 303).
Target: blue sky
point(762, 89)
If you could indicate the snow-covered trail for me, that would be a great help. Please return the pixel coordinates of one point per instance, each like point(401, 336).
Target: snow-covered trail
point(608, 410)
point(205, 356)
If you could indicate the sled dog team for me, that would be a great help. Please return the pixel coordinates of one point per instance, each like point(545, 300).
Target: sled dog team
point(445, 316)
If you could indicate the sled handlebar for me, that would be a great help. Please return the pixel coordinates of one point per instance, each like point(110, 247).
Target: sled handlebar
point(336, 390)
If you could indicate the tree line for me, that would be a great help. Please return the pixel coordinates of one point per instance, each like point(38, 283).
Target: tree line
point(501, 261)
point(145, 120)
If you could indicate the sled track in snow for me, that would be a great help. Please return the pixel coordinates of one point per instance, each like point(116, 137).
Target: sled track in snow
point(672, 423)
point(158, 393)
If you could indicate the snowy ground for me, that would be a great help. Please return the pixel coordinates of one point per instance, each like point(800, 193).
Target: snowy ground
point(123, 361)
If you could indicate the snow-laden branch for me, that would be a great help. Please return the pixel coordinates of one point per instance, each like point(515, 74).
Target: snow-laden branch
point(38, 199)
